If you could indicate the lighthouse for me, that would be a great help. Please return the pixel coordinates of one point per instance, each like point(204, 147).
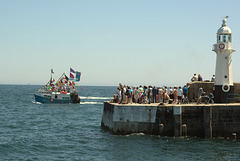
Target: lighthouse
point(223, 72)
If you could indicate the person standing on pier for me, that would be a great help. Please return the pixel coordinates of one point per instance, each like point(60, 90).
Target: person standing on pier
point(166, 97)
point(175, 94)
point(121, 90)
point(180, 92)
point(200, 93)
point(185, 90)
point(130, 95)
point(140, 89)
point(160, 94)
point(154, 94)
point(136, 94)
point(119, 95)
point(150, 93)
point(169, 90)
point(145, 91)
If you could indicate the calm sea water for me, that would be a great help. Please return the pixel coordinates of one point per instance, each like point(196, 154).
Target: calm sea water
point(32, 131)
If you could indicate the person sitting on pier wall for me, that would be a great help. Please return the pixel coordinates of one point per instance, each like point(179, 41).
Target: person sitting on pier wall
point(194, 78)
point(115, 99)
point(200, 77)
point(213, 78)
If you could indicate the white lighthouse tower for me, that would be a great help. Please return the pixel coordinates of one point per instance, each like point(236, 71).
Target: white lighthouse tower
point(223, 74)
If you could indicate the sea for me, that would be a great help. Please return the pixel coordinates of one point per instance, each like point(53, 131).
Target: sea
point(33, 131)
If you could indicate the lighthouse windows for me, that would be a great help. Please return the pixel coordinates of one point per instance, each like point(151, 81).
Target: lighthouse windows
point(229, 38)
point(224, 38)
point(219, 38)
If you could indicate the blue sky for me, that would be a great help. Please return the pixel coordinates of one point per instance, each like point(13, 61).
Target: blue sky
point(129, 41)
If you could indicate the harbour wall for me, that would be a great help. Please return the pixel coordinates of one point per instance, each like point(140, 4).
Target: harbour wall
point(208, 88)
point(213, 120)
point(126, 119)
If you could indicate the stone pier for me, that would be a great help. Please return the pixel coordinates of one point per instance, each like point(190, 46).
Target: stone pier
point(212, 120)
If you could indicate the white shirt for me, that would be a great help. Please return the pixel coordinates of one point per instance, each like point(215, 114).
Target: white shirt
point(119, 93)
point(160, 91)
point(194, 78)
point(124, 90)
point(180, 92)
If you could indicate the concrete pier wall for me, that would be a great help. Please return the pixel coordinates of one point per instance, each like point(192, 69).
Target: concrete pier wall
point(125, 119)
point(208, 88)
point(215, 120)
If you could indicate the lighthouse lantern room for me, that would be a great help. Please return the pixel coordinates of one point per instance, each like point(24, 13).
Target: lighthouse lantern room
point(223, 73)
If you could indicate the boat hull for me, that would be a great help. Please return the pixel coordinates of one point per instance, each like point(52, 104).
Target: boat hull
point(42, 99)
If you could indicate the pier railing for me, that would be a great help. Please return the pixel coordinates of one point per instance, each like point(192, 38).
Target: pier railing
point(234, 97)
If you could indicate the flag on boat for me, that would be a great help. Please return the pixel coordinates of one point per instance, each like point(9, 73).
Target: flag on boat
point(72, 74)
point(75, 75)
point(72, 71)
point(78, 76)
point(66, 78)
point(52, 71)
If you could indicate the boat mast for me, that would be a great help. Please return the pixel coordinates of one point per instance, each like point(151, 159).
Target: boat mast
point(52, 73)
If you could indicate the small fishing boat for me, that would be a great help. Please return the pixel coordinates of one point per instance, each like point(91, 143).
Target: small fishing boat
point(61, 91)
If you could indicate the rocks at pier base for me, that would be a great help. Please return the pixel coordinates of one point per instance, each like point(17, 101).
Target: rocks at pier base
point(212, 120)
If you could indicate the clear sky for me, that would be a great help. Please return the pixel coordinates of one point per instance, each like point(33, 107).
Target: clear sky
point(129, 41)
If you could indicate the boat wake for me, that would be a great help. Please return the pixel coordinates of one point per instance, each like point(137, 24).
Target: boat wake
point(91, 103)
point(136, 134)
point(36, 102)
point(96, 98)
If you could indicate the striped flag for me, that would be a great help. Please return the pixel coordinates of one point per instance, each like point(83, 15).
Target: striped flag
point(72, 71)
point(72, 74)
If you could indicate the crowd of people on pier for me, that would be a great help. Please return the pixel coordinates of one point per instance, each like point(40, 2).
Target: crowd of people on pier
point(150, 94)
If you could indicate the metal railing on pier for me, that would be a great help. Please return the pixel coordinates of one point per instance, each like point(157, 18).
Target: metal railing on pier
point(232, 98)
